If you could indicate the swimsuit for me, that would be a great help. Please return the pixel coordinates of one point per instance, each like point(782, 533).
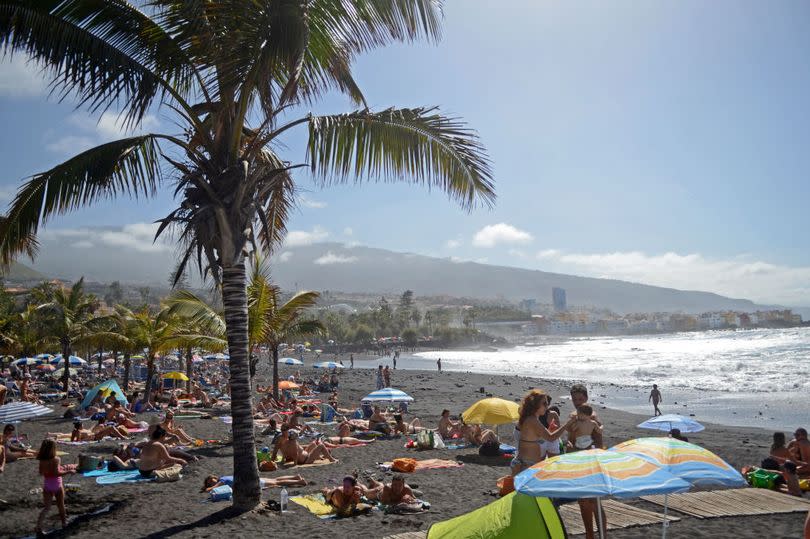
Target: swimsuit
point(52, 484)
point(583, 442)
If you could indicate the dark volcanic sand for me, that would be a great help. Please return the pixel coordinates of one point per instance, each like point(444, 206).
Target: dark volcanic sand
point(178, 509)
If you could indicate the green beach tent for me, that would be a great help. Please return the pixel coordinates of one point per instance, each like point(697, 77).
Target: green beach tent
point(515, 516)
point(110, 387)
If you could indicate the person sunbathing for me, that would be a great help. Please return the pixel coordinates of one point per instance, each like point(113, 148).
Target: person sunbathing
point(174, 432)
point(378, 422)
point(294, 423)
point(584, 430)
point(122, 416)
point(473, 435)
point(395, 493)
point(154, 455)
point(287, 444)
point(201, 396)
point(100, 430)
point(403, 427)
point(332, 442)
point(13, 449)
point(799, 447)
point(213, 481)
point(80, 434)
point(447, 428)
point(344, 498)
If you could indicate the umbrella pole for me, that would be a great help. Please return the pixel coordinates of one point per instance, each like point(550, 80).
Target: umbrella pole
point(666, 520)
point(599, 518)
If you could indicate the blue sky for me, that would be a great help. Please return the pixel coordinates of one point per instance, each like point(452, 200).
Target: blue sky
point(661, 142)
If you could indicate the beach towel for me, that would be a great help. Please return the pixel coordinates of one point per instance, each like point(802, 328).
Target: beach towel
point(315, 504)
point(125, 476)
point(414, 508)
point(457, 445)
point(431, 464)
point(312, 465)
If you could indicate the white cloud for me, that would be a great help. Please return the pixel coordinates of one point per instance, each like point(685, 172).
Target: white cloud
point(89, 132)
point(285, 256)
point(492, 235)
point(309, 203)
point(136, 236)
point(517, 253)
point(739, 277)
point(21, 78)
point(348, 231)
point(332, 258)
point(452, 244)
point(7, 194)
point(297, 238)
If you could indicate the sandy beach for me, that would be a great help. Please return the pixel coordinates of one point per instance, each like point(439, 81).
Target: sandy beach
point(180, 510)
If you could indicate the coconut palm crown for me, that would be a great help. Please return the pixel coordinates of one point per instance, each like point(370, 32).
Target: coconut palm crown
point(231, 74)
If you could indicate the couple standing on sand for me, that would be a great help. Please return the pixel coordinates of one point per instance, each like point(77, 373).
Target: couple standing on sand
point(538, 432)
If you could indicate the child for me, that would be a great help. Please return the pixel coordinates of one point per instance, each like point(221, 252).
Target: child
point(791, 479)
point(52, 472)
point(583, 430)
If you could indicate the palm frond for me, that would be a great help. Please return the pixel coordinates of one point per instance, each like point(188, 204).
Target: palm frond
point(106, 52)
point(417, 145)
point(195, 311)
point(128, 166)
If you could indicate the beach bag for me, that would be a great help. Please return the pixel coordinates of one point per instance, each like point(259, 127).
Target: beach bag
point(168, 475)
point(423, 440)
point(760, 478)
point(88, 463)
point(404, 465)
point(221, 493)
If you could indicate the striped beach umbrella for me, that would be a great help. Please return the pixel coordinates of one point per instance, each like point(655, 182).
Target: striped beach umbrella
point(15, 412)
point(388, 394)
point(75, 361)
point(290, 361)
point(596, 473)
point(328, 365)
point(688, 461)
point(26, 361)
point(45, 357)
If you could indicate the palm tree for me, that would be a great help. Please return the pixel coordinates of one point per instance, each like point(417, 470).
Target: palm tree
point(270, 320)
point(69, 317)
point(234, 73)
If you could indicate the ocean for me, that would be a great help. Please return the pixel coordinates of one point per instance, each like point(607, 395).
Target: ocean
point(745, 377)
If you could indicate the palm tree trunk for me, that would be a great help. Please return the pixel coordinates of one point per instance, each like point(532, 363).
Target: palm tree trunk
point(275, 371)
point(246, 491)
point(66, 353)
point(150, 373)
point(188, 369)
point(127, 364)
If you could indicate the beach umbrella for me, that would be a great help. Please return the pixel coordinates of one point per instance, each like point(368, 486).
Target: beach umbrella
point(596, 473)
point(290, 361)
point(388, 394)
point(687, 461)
point(108, 361)
point(15, 412)
point(26, 361)
point(492, 411)
point(139, 356)
point(60, 372)
point(44, 356)
point(286, 384)
point(175, 375)
point(667, 422)
point(197, 359)
point(328, 365)
point(74, 360)
point(45, 368)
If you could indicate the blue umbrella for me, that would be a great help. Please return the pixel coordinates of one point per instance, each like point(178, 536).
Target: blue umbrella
point(667, 422)
point(26, 361)
point(388, 394)
point(290, 361)
point(74, 360)
point(328, 365)
point(44, 356)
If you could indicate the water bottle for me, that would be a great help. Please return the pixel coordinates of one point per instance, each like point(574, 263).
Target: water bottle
point(284, 499)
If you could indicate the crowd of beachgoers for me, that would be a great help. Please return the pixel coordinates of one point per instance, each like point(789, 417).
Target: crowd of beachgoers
point(155, 432)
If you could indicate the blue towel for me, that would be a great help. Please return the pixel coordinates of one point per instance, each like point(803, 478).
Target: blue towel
point(126, 476)
point(98, 473)
point(507, 449)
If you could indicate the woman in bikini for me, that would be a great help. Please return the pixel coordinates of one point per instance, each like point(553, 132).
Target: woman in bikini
point(532, 431)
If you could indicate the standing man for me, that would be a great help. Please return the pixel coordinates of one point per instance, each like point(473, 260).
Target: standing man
point(396, 355)
point(799, 447)
point(439, 364)
point(351, 361)
point(587, 506)
point(655, 397)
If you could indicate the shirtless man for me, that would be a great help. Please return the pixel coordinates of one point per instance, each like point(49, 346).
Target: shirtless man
point(447, 428)
point(291, 450)
point(345, 498)
point(799, 447)
point(395, 493)
point(173, 430)
point(378, 422)
point(655, 397)
point(155, 456)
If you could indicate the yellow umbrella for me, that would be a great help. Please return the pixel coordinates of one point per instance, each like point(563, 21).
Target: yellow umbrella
point(175, 375)
point(493, 411)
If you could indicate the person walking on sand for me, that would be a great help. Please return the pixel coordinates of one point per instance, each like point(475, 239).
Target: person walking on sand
point(387, 376)
point(439, 364)
point(655, 397)
point(379, 377)
point(351, 361)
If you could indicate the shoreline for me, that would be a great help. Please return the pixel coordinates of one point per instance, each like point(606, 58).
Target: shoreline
point(184, 512)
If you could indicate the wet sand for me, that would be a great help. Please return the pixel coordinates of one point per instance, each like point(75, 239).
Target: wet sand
point(179, 510)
